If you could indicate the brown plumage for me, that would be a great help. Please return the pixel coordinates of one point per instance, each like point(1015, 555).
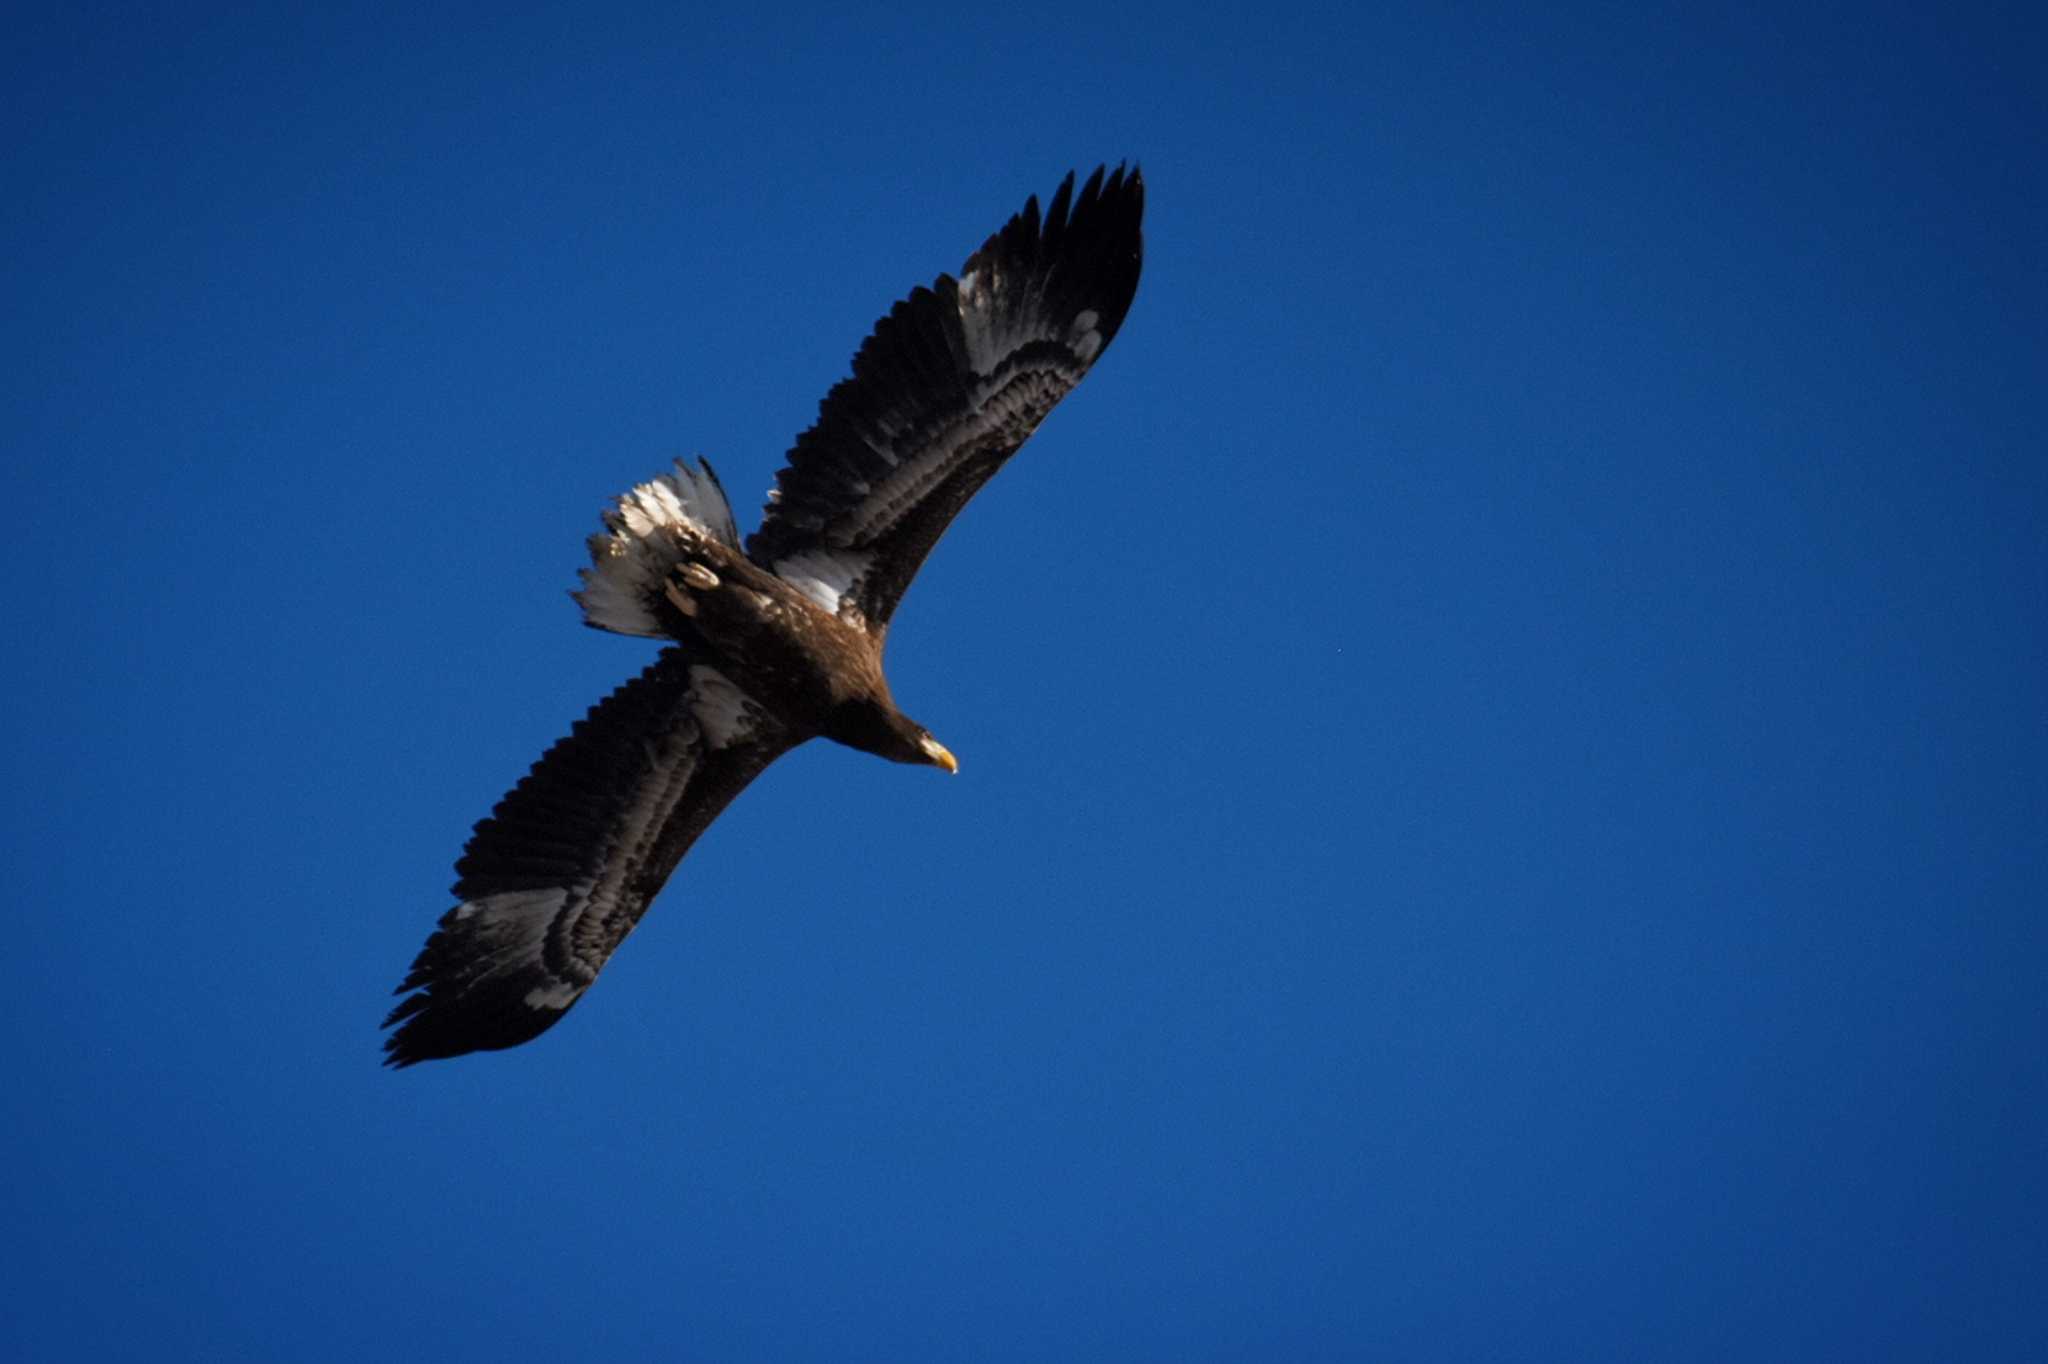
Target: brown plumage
point(817, 673)
point(773, 643)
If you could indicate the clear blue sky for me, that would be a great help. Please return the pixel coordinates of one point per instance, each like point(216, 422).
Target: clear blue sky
point(1505, 758)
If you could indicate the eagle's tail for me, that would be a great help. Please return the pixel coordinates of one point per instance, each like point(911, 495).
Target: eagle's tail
point(649, 532)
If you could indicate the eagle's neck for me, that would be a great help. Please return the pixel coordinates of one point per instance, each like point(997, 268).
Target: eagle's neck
point(872, 724)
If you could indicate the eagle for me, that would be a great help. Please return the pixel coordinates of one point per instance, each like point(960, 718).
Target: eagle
point(773, 642)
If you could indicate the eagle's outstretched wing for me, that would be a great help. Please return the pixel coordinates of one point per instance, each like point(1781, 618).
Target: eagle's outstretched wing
point(951, 382)
point(560, 872)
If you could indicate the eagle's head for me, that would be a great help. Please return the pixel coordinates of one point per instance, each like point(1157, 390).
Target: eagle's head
point(876, 726)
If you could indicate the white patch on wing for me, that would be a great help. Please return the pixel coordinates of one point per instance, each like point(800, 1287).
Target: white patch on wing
point(649, 530)
point(509, 934)
point(995, 329)
point(521, 907)
point(1082, 338)
point(977, 317)
point(560, 995)
point(824, 575)
point(726, 713)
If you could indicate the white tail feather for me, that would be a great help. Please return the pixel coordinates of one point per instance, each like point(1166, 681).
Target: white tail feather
point(650, 530)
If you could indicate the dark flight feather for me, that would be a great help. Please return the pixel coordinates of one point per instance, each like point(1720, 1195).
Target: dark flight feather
point(949, 385)
point(553, 881)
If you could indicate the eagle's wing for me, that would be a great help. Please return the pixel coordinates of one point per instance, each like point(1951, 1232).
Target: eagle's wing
point(951, 382)
point(558, 875)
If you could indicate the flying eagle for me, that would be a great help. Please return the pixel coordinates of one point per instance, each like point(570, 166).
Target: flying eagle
point(773, 643)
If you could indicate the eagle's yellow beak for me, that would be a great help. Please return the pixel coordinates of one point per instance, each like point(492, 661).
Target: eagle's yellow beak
point(938, 754)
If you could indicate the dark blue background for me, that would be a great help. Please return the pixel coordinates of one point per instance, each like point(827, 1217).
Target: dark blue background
point(1504, 744)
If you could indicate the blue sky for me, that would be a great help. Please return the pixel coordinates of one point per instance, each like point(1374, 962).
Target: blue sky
point(1503, 737)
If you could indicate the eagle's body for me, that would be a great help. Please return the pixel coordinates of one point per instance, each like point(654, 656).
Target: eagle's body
point(775, 642)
